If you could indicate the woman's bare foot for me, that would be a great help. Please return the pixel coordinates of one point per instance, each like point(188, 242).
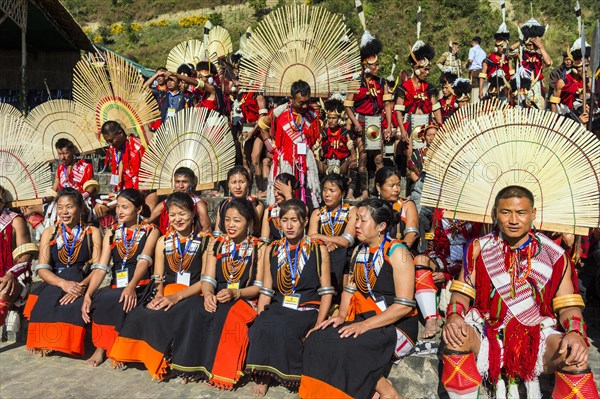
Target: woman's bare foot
point(385, 389)
point(431, 328)
point(117, 365)
point(97, 358)
point(261, 387)
point(33, 351)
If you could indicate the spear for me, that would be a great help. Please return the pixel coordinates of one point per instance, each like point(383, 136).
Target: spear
point(594, 65)
point(583, 68)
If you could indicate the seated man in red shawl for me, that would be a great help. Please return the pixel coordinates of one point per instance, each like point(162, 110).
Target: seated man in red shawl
point(515, 311)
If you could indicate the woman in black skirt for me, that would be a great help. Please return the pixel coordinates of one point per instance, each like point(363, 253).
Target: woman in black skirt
point(333, 224)
point(218, 321)
point(130, 245)
point(285, 184)
point(148, 332)
point(350, 355)
point(54, 307)
point(239, 184)
point(295, 298)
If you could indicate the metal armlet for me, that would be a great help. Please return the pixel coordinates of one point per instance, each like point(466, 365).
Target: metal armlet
point(210, 280)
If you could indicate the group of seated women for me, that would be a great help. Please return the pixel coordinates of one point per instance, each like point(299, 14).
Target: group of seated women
point(277, 294)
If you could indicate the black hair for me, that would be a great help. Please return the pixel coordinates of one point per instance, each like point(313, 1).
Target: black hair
point(300, 87)
point(382, 175)
point(525, 84)
point(286, 178)
point(185, 171)
point(184, 69)
point(64, 143)
point(336, 105)
point(426, 51)
point(294, 205)
point(162, 68)
point(448, 77)
point(338, 180)
point(244, 207)
point(513, 192)
point(137, 199)
point(206, 66)
point(181, 200)
point(477, 39)
point(72, 193)
point(239, 169)
point(112, 127)
point(381, 211)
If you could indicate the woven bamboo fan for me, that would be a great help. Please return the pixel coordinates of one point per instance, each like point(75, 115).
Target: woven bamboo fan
point(197, 138)
point(554, 157)
point(218, 42)
point(474, 111)
point(188, 52)
point(112, 89)
point(22, 173)
point(56, 119)
point(299, 42)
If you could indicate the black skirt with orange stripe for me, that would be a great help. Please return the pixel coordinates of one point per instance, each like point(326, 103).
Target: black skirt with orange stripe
point(107, 313)
point(277, 334)
point(53, 326)
point(215, 347)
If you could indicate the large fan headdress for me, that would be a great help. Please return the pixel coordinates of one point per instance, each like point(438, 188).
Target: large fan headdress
point(217, 41)
point(112, 89)
point(197, 138)
point(23, 174)
point(188, 52)
point(56, 119)
point(554, 157)
point(299, 42)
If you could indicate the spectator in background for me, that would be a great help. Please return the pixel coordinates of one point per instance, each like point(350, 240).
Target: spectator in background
point(474, 65)
point(157, 81)
point(174, 99)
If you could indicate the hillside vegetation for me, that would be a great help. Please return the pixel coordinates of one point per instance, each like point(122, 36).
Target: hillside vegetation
point(145, 30)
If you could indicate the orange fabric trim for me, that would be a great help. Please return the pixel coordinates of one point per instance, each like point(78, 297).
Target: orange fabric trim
point(424, 281)
point(313, 388)
point(359, 304)
point(61, 337)
point(233, 345)
point(103, 336)
point(134, 350)
point(174, 288)
point(29, 305)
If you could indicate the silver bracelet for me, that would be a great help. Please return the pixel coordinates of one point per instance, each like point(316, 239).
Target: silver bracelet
point(267, 291)
point(265, 240)
point(210, 280)
point(409, 230)
point(350, 289)
point(98, 266)
point(349, 238)
point(263, 111)
point(217, 233)
point(329, 290)
point(411, 303)
point(42, 266)
point(257, 283)
point(158, 278)
point(146, 258)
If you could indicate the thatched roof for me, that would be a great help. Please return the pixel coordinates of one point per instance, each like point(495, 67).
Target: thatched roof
point(50, 27)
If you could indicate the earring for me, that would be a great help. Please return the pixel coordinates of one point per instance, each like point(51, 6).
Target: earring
point(138, 219)
point(533, 225)
point(379, 194)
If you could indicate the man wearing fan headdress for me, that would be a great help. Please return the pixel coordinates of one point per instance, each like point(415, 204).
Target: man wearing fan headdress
point(516, 291)
point(15, 257)
point(289, 131)
point(372, 99)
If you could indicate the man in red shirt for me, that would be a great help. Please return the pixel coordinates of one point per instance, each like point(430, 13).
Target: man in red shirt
point(72, 173)
point(124, 156)
point(289, 131)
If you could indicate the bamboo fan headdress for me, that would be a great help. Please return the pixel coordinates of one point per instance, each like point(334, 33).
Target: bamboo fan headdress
point(112, 89)
point(23, 174)
point(197, 138)
point(300, 42)
point(217, 41)
point(554, 157)
point(56, 119)
point(188, 52)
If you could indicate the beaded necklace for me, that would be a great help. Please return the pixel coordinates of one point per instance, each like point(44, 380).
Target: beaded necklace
point(233, 268)
point(71, 247)
point(366, 276)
